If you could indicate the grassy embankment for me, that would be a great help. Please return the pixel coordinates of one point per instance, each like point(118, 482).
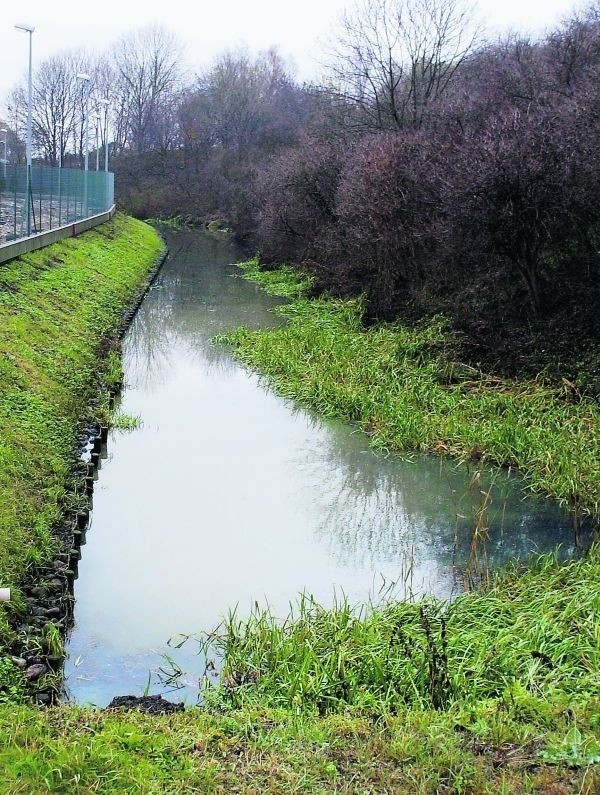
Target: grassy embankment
point(59, 308)
point(333, 704)
point(495, 694)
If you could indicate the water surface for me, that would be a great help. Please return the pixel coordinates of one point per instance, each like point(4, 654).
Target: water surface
point(227, 495)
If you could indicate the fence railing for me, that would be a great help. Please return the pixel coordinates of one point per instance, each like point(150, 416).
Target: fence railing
point(57, 196)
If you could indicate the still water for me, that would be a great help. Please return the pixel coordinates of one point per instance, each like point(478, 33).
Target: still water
point(227, 495)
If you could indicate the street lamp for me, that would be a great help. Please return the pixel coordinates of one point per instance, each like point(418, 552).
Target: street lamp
point(97, 118)
point(28, 29)
point(85, 78)
point(5, 131)
point(106, 103)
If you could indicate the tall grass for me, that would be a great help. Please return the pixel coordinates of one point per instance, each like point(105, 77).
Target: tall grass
point(407, 390)
point(529, 640)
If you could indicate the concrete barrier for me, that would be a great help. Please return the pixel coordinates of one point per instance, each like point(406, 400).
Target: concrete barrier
point(27, 244)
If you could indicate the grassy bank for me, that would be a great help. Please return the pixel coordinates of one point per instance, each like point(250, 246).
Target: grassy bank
point(74, 751)
point(407, 390)
point(59, 308)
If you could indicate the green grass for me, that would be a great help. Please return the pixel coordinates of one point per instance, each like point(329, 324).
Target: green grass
point(75, 751)
point(528, 642)
point(58, 311)
point(405, 388)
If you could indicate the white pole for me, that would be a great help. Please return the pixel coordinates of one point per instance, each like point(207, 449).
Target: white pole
point(106, 103)
point(97, 118)
point(86, 78)
point(28, 29)
point(86, 158)
point(29, 102)
point(4, 594)
point(5, 131)
point(106, 136)
point(60, 146)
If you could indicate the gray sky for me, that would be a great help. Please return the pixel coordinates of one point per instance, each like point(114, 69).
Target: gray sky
point(297, 28)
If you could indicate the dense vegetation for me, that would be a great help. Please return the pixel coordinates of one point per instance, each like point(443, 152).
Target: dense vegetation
point(484, 211)
point(59, 308)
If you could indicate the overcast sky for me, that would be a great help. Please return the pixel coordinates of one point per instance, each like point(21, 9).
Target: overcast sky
point(298, 28)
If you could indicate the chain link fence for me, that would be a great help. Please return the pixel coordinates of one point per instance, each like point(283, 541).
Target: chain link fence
point(57, 197)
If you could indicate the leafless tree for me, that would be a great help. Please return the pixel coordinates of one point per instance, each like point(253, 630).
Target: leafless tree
point(148, 74)
point(57, 104)
point(394, 57)
point(244, 101)
point(58, 122)
point(17, 115)
point(15, 147)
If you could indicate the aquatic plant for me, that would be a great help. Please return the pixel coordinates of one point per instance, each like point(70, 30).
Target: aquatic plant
point(125, 422)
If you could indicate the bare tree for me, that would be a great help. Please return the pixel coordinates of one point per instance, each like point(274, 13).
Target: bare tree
point(244, 101)
point(148, 74)
point(394, 57)
point(58, 122)
point(57, 112)
point(15, 146)
point(17, 114)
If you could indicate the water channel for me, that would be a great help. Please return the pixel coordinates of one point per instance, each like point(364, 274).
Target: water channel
point(227, 495)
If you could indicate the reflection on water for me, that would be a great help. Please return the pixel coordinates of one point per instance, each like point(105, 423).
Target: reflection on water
point(229, 495)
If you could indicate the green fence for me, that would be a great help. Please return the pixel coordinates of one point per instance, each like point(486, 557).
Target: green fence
point(58, 196)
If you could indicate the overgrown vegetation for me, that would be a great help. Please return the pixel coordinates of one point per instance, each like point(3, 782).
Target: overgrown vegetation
point(526, 644)
point(406, 389)
point(59, 308)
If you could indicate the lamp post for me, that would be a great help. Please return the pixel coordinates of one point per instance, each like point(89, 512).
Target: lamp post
point(28, 29)
point(5, 131)
point(97, 118)
point(106, 103)
point(85, 78)
point(60, 163)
